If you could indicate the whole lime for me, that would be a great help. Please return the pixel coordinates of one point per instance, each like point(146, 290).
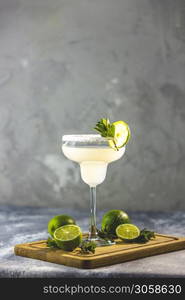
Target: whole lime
point(59, 221)
point(112, 219)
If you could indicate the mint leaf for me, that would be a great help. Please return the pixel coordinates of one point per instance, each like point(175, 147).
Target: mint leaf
point(145, 236)
point(88, 247)
point(106, 236)
point(51, 243)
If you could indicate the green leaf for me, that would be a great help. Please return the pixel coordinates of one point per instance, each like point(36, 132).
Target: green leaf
point(88, 247)
point(111, 130)
point(106, 236)
point(51, 243)
point(105, 128)
point(145, 236)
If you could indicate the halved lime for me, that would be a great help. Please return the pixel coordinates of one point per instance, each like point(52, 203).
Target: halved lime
point(68, 237)
point(59, 221)
point(121, 134)
point(112, 219)
point(127, 231)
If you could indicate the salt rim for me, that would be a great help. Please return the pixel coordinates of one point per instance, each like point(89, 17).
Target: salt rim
point(84, 138)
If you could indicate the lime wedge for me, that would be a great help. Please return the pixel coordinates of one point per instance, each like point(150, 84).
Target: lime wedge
point(127, 231)
point(68, 237)
point(121, 134)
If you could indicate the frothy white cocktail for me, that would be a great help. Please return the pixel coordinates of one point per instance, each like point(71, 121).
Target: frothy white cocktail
point(93, 161)
point(94, 152)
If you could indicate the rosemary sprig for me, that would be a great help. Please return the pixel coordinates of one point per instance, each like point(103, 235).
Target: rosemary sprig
point(107, 130)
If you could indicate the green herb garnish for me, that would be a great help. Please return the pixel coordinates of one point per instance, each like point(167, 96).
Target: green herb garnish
point(145, 236)
point(106, 129)
point(88, 247)
point(106, 236)
point(51, 243)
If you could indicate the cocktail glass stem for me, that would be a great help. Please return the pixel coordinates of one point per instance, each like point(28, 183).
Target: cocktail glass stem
point(92, 230)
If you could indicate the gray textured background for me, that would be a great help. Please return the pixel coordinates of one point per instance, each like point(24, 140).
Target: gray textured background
point(66, 63)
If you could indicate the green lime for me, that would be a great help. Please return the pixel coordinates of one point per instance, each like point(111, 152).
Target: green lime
point(127, 231)
point(112, 219)
point(68, 237)
point(59, 221)
point(121, 134)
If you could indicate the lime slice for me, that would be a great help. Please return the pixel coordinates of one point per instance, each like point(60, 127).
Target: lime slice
point(68, 237)
point(121, 134)
point(127, 231)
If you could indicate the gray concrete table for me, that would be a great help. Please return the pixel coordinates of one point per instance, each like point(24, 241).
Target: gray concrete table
point(26, 224)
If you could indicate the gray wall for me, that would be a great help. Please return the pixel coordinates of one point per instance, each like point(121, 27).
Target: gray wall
point(66, 63)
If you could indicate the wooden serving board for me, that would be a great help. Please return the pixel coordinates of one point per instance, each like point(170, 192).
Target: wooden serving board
point(104, 256)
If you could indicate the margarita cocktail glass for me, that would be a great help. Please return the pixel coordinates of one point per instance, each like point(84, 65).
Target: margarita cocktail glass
point(93, 153)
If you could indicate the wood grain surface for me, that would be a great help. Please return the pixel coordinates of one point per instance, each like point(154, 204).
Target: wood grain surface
point(104, 256)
